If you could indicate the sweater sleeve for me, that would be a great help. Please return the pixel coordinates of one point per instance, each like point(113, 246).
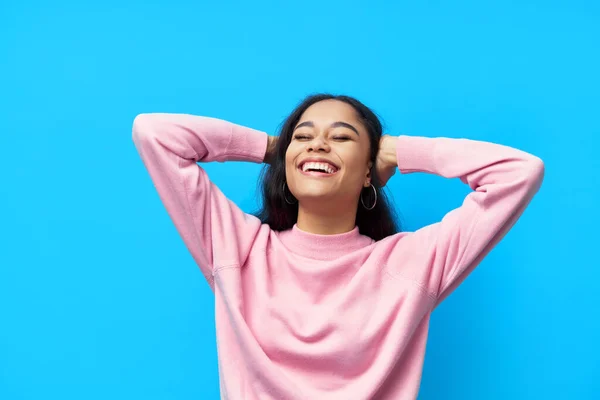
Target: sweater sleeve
point(216, 232)
point(503, 182)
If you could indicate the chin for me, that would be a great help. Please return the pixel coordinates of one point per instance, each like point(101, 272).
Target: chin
point(312, 195)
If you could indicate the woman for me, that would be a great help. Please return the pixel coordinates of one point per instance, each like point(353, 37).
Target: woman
point(319, 297)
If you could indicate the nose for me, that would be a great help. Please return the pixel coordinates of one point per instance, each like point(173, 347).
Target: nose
point(318, 144)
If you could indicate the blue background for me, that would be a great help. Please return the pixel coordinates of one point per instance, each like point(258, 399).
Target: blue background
point(99, 299)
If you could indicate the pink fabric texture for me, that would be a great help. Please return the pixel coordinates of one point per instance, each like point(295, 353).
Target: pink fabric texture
point(305, 316)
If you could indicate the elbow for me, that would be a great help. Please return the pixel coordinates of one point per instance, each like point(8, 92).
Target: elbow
point(141, 128)
point(535, 171)
point(137, 129)
point(538, 167)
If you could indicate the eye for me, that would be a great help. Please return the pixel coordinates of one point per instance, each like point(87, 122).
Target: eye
point(300, 136)
point(341, 137)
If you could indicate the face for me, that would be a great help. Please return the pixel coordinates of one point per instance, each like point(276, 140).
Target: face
point(328, 156)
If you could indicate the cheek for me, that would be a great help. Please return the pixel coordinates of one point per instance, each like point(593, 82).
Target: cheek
point(356, 173)
point(290, 156)
point(356, 162)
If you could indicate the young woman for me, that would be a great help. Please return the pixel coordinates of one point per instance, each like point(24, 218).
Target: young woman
point(319, 297)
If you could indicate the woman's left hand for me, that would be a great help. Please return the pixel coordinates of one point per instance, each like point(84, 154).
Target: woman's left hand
point(386, 163)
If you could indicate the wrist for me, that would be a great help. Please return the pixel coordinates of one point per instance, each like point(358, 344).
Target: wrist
point(388, 146)
point(271, 145)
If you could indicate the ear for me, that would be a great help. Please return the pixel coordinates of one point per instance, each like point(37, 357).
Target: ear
point(368, 175)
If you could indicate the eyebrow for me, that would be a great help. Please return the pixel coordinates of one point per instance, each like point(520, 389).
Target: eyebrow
point(336, 124)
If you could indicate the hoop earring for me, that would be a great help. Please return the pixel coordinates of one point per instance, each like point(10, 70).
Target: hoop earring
point(374, 203)
point(285, 197)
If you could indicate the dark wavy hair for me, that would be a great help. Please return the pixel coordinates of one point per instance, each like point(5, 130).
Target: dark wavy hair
point(377, 223)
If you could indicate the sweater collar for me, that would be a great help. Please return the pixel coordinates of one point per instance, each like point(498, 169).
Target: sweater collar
point(323, 247)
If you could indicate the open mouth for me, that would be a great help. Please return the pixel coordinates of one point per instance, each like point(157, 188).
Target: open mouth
point(320, 168)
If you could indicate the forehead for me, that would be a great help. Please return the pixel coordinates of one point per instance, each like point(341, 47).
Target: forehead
point(330, 110)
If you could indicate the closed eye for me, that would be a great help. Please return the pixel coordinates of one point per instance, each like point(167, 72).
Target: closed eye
point(340, 138)
point(301, 137)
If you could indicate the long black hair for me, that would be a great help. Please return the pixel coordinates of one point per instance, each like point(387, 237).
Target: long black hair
point(280, 215)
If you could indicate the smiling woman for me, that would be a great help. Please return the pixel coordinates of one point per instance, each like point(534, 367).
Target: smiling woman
point(319, 297)
point(343, 133)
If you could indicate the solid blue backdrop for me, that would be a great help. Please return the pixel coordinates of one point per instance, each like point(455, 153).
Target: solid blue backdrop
point(99, 299)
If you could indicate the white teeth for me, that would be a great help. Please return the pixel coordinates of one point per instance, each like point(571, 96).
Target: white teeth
point(324, 167)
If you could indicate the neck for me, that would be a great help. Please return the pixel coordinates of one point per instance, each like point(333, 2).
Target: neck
point(323, 220)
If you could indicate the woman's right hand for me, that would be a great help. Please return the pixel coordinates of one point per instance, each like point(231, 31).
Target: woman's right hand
point(386, 164)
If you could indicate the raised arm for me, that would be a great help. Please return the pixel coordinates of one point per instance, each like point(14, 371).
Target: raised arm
point(503, 180)
point(216, 232)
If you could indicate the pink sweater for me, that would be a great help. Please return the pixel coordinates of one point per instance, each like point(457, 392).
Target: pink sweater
point(305, 316)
